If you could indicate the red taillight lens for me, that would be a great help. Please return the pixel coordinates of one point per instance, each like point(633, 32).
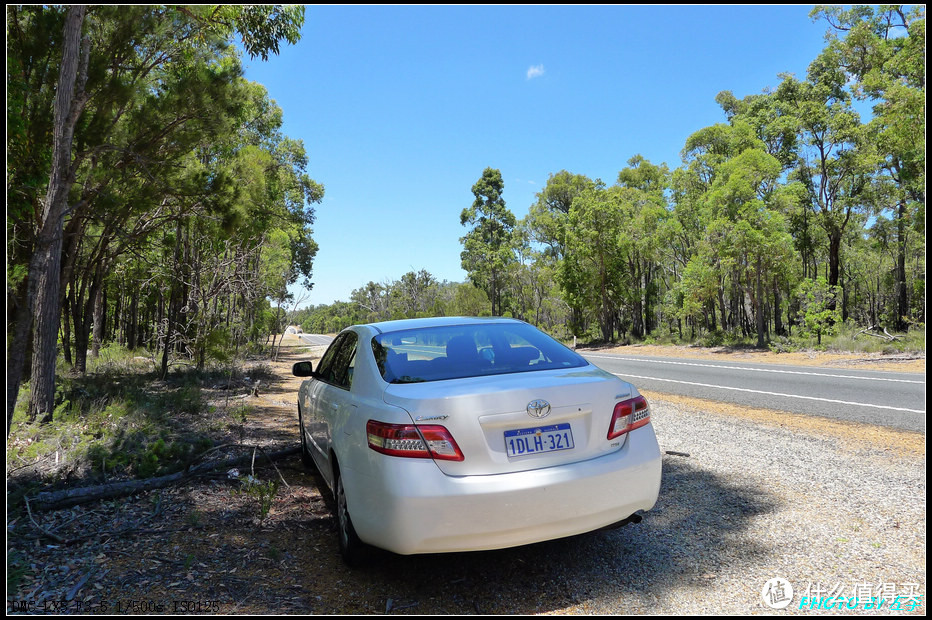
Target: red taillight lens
point(419, 442)
point(629, 415)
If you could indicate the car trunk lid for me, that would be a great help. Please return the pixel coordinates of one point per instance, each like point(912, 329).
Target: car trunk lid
point(521, 421)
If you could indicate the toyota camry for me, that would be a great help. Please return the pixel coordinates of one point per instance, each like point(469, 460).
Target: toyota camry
point(466, 434)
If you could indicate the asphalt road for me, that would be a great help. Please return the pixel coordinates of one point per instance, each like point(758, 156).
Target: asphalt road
point(316, 339)
point(895, 400)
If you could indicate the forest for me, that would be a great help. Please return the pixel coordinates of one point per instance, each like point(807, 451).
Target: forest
point(152, 199)
point(153, 203)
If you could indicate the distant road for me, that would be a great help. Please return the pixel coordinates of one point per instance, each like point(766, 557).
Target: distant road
point(891, 399)
point(316, 339)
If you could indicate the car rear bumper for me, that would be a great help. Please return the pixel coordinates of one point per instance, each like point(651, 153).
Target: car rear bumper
point(412, 507)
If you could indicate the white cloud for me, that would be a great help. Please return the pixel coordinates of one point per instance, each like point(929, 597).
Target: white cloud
point(535, 71)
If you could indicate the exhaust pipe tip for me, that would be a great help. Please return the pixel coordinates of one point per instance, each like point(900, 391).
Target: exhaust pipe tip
point(635, 518)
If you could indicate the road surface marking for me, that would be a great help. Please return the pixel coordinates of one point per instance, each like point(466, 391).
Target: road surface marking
point(722, 387)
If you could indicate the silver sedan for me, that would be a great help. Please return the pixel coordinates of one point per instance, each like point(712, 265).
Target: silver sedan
point(465, 434)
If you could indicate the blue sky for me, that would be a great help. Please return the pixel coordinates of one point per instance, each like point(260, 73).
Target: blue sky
point(402, 108)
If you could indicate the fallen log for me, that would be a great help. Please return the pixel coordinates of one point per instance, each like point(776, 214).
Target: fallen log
point(868, 331)
point(55, 500)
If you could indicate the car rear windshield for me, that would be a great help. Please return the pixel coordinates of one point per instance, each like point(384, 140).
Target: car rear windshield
point(453, 352)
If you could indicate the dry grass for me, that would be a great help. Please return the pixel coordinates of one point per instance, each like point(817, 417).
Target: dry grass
point(868, 361)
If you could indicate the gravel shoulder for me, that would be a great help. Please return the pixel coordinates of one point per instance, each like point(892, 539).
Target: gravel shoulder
point(758, 496)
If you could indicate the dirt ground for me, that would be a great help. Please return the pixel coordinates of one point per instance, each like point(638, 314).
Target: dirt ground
point(203, 546)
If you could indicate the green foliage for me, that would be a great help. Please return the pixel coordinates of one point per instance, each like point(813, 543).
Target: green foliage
point(261, 27)
point(116, 421)
point(489, 246)
point(262, 494)
point(819, 309)
point(415, 294)
point(715, 338)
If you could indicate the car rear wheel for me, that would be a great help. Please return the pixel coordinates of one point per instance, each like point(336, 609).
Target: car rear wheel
point(352, 549)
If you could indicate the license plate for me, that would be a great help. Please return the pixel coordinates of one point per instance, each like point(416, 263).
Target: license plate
point(524, 441)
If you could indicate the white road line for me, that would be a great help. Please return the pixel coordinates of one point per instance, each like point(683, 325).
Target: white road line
point(785, 372)
point(722, 387)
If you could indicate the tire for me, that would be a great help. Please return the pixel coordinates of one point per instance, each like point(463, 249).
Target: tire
point(305, 453)
point(352, 549)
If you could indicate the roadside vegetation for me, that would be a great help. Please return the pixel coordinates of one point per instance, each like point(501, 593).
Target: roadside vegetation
point(119, 421)
point(170, 214)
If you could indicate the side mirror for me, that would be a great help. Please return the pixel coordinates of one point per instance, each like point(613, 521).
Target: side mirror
point(303, 369)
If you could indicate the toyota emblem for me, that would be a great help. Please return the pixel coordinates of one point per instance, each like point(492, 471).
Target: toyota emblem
point(538, 408)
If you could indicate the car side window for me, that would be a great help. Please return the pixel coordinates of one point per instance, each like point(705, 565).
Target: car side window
point(338, 369)
point(326, 362)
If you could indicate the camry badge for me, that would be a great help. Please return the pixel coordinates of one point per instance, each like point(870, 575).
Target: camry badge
point(538, 408)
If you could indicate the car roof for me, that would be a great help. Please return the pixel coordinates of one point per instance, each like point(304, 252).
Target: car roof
point(438, 321)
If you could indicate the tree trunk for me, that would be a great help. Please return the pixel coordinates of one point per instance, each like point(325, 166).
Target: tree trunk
point(902, 299)
point(83, 315)
point(45, 266)
point(721, 305)
point(66, 332)
point(173, 304)
point(648, 298)
point(834, 263)
point(100, 305)
point(132, 320)
point(759, 311)
point(778, 328)
point(55, 500)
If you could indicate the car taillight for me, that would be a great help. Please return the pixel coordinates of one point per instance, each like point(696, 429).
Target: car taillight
point(629, 415)
point(412, 441)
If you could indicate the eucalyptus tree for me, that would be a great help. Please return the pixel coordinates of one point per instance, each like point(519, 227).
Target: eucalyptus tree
point(704, 156)
point(548, 217)
point(594, 274)
point(534, 290)
point(835, 161)
point(43, 226)
point(413, 295)
point(644, 227)
point(547, 224)
point(488, 247)
point(373, 300)
point(882, 51)
point(747, 230)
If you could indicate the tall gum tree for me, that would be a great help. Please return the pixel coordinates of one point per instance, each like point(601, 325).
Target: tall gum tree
point(835, 162)
point(43, 277)
point(488, 248)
